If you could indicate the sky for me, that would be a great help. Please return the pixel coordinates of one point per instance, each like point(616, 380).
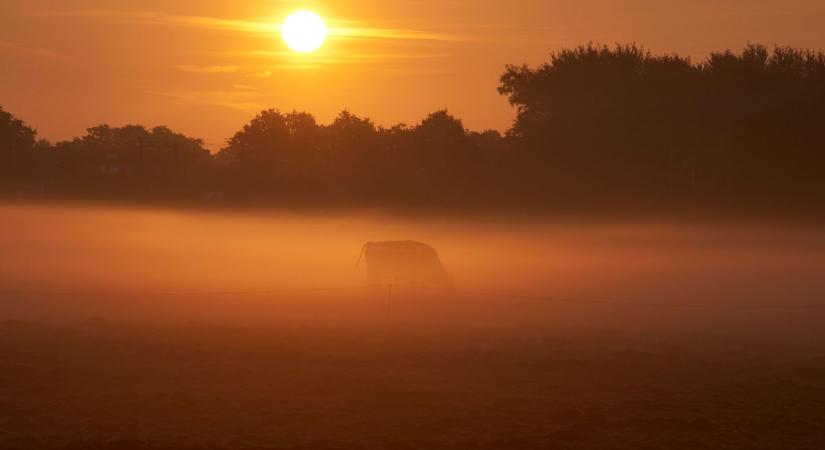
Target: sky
point(206, 67)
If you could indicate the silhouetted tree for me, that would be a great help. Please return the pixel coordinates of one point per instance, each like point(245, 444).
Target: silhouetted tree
point(272, 155)
point(597, 129)
point(130, 159)
point(607, 125)
point(353, 166)
point(15, 135)
point(21, 154)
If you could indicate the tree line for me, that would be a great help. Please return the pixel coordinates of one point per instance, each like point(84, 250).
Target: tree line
point(598, 129)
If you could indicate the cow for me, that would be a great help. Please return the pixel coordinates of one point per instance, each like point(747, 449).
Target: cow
point(403, 262)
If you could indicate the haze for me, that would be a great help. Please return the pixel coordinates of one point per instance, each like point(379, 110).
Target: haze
point(141, 264)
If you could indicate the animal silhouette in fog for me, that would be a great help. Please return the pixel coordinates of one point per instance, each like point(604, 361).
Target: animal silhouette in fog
point(403, 262)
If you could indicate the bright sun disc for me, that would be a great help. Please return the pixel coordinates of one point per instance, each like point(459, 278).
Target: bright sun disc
point(304, 31)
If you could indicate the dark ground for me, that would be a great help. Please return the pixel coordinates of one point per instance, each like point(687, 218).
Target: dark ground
point(100, 385)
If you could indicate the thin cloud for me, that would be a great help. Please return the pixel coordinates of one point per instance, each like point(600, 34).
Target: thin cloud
point(344, 56)
point(363, 32)
point(240, 99)
point(300, 66)
point(263, 74)
point(154, 18)
point(207, 70)
point(340, 28)
point(377, 56)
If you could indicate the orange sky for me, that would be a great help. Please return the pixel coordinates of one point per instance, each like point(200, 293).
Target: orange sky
point(205, 67)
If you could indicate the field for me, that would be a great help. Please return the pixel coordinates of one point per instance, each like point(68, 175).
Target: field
point(150, 329)
point(101, 385)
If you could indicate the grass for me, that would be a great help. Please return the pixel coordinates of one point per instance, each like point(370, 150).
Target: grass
point(100, 385)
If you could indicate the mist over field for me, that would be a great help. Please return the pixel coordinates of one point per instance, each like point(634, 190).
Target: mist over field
point(238, 267)
point(405, 225)
point(140, 328)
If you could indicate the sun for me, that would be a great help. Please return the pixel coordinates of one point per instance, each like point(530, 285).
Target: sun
point(304, 31)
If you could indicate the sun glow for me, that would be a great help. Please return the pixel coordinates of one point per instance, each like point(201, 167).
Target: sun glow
point(304, 31)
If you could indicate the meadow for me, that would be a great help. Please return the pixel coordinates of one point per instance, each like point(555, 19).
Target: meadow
point(101, 385)
point(174, 329)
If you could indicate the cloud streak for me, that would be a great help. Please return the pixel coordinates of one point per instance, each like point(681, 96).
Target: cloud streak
point(242, 99)
point(261, 74)
point(207, 70)
point(154, 18)
point(338, 28)
point(356, 31)
point(348, 56)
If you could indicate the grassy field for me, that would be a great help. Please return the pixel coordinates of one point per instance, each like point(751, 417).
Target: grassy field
point(100, 385)
point(622, 336)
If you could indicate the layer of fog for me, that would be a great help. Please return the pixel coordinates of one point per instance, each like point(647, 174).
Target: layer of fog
point(73, 263)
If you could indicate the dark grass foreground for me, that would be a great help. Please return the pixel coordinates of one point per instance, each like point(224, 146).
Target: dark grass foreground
point(105, 386)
